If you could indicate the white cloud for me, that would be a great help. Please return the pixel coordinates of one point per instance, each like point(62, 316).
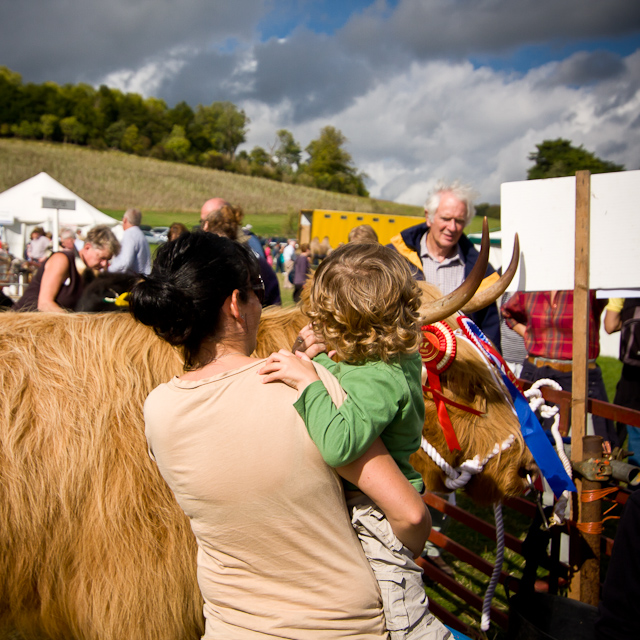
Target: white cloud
point(447, 120)
point(147, 79)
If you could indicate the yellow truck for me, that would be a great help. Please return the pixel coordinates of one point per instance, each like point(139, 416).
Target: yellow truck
point(335, 225)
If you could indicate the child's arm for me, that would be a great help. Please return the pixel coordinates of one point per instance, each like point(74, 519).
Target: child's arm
point(377, 475)
point(341, 434)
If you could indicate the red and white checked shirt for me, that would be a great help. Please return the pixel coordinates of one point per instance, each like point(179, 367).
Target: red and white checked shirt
point(549, 331)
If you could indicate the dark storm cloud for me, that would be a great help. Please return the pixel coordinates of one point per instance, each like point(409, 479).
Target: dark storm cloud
point(72, 40)
point(584, 68)
point(202, 80)
point(317, 77)
point(458, 28)
point(306, 70)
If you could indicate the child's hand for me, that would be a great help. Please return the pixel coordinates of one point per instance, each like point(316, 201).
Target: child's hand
point(297, 371)
point(309, 343)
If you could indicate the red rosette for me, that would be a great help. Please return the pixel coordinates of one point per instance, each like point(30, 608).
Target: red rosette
point(438, 348)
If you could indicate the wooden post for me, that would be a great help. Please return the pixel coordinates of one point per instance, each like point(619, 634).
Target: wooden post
point(590, 542)
point(579, 391)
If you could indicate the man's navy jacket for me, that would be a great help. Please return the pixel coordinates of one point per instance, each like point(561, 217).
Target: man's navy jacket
point(407, 243)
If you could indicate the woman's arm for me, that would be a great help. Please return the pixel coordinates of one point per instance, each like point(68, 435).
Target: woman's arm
point(377, 475)
point(56, 271)
point(612, 317)
point(515, 313)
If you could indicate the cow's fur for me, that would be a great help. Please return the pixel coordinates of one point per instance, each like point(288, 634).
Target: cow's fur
point(93, 545)
point(92, 542)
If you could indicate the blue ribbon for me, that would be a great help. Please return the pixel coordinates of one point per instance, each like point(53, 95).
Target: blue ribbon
point(538, 443)
point(534, 436)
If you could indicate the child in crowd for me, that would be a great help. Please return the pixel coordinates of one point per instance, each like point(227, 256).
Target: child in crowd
point(364, 304)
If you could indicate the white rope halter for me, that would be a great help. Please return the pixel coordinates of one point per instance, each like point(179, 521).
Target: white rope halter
point(458, 478)
point(536, 402)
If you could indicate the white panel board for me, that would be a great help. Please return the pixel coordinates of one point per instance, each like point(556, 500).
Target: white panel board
point(542, 212)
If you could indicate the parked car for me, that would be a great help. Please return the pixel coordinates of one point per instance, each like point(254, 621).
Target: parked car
point(161, 233)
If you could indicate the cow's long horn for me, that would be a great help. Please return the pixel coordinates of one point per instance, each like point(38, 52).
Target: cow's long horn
point(437, 310)
point(484, 298)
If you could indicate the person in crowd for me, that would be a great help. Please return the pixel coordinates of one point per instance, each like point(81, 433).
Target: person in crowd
point(37, 248)
point(135, 255)
point(363, 304)
point(79, 240)
point(175, 230)
point(254, 241)
point(276, 254)
point(441, 254)
point(67, 240)
point(277, 556)
point(363, 233)
point(544, 319)
point(60, 281)
point(301, 271)
point(268, 255)
point(513, 350)
point(288, 257)
point(624, 316)
point(220, 217)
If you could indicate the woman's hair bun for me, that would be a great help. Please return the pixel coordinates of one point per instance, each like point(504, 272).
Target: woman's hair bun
point(165, 306)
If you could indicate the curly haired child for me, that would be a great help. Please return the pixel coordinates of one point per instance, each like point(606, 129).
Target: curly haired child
point(363, 304)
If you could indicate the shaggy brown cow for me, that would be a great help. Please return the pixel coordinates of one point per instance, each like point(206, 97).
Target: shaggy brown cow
point(93, 545)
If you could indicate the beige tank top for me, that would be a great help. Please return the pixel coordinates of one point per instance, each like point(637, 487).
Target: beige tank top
point(277, 556)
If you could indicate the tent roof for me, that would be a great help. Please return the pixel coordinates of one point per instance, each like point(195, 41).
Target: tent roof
point(23, 203)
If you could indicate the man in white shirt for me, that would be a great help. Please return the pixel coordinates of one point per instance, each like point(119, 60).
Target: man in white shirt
point(134, 256)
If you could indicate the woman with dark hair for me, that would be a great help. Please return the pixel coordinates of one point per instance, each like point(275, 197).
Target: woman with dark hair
point(277, 555)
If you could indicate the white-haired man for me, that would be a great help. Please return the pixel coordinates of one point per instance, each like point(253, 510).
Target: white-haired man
point(441, 254)
point(135, 256)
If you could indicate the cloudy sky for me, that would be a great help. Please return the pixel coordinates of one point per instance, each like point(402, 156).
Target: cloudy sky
point(422, 89)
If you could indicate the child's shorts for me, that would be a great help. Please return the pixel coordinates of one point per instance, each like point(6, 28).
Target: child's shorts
point(406, 606)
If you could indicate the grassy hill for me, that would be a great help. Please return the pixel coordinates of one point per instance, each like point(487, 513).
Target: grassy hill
point(167, 192)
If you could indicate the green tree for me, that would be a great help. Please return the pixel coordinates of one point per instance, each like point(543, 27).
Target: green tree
point(331, 167)
point(113, 134)
point(223, 125)
point(557, 158)
point(48, 123)
point(288, 152)
point(181, 114)
point(131, 142)
point(73, 130)
point(260, 163)
point(11, 92)
point(177, 145)
point(26, 130)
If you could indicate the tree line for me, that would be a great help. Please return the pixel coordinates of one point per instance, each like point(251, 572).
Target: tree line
point(208, 136)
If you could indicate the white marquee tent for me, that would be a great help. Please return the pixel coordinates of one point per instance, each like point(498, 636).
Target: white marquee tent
point(21, 209)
